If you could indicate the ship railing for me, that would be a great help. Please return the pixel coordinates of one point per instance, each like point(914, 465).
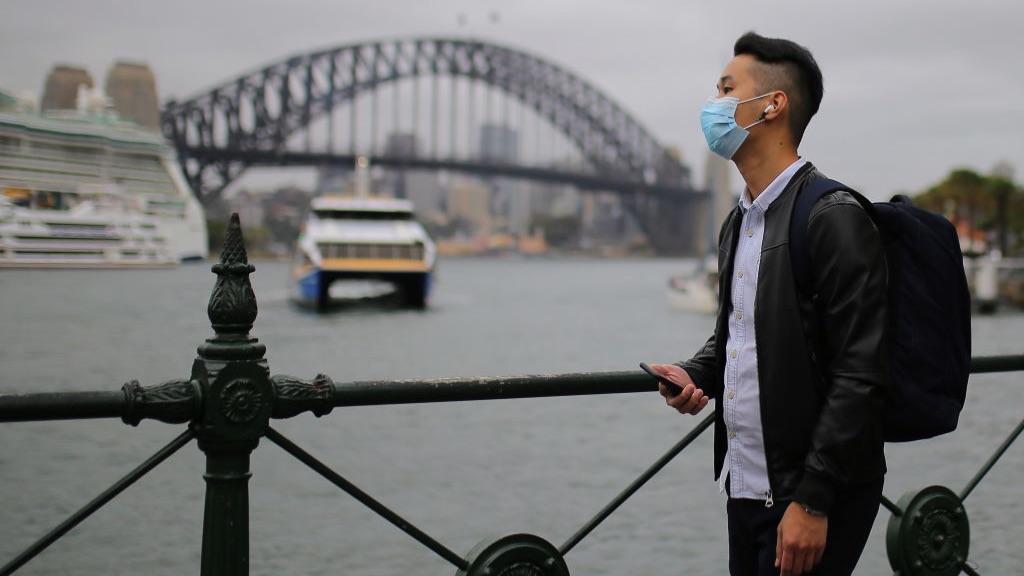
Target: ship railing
point(230, 399)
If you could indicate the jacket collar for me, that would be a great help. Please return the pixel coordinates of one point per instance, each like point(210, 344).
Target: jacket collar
point(776, 230)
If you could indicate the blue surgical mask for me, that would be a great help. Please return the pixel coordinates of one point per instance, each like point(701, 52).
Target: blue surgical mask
point(718, 119)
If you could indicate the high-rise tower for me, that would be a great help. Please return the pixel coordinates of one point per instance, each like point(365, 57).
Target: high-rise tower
point(131, 87)
point(61, 89)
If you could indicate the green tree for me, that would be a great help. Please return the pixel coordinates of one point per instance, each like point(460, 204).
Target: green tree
point(989, 203)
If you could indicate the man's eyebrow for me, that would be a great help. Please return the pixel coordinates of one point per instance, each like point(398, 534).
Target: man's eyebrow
point(725, 79)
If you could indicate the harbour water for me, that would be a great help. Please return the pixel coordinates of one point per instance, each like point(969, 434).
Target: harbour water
point(461, 471)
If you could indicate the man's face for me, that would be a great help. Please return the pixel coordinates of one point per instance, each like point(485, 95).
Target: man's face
point(737, 80)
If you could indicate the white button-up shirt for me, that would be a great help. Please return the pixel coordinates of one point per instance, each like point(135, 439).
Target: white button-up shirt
point(745, 464)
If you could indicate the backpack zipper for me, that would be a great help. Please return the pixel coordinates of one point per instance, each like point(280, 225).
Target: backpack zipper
point(768, 501)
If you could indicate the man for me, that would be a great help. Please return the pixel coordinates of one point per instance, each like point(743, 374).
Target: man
point(798, 379)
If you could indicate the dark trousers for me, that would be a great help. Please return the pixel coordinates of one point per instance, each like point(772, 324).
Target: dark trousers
point(752, 532)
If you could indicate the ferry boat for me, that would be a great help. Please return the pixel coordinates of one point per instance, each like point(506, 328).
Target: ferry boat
point(85, 189)
point(365, 240)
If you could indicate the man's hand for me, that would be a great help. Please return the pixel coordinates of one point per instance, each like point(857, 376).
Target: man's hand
point(691, 400)
point(801, 541)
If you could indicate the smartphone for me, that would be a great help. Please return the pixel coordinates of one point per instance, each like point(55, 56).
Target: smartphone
point(673, 388)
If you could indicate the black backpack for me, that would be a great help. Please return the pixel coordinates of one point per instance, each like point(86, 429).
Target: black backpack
point(929, 309)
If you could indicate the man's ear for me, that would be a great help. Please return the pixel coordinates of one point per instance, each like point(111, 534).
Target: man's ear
point(777, 102)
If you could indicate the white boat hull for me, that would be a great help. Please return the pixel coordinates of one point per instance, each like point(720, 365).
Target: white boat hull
point(699, 300)
point(87, 190)
point(696, 292)
point(320, 289)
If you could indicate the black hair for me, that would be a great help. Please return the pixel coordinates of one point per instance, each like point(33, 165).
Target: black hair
point(789, 67)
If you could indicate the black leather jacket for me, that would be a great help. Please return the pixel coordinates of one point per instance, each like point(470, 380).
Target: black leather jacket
point(820, 358)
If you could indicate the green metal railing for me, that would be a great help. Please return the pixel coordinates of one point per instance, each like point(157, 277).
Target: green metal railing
point(230, 398)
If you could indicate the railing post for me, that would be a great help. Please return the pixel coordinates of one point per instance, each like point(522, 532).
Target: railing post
point(237, 403)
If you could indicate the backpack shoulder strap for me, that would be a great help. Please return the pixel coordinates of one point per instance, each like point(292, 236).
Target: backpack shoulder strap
point(813, 191)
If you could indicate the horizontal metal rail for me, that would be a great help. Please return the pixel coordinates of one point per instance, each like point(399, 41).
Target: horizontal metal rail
point(81, 405)
point(536, 386)
point(370, 393)
point(61, 406)
point(989, 364)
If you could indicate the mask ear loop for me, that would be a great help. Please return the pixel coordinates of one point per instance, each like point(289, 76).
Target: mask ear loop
point(754, 98)
point(749, 126)
point(763, 114)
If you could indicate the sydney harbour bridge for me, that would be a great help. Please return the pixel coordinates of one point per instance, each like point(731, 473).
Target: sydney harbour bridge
point(328, 107)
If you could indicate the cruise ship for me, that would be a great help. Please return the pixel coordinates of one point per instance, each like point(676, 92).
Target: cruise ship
point(363, 240)
point(85, 189)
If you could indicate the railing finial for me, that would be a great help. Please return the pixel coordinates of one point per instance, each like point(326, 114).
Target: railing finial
point(232, 308)
point(237, 403)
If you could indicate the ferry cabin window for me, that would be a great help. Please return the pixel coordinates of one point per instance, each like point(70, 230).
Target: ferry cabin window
point(362, 215)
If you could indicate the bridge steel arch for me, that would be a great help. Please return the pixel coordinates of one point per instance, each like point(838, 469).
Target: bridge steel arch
point(258, 112)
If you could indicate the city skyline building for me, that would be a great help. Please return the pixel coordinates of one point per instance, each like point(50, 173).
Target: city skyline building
point(131, 87)
point(717, 181)
point(60, 92)
point(422, 187)
point(510, 198)
point(469, 202)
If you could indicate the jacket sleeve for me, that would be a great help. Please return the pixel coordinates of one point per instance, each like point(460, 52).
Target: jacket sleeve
point(850, 287)
point(703, 367)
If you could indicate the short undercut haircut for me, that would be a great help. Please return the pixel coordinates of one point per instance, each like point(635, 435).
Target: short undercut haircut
point(787, 66)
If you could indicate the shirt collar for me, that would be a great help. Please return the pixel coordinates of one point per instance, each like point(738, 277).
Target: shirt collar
point(773, 191)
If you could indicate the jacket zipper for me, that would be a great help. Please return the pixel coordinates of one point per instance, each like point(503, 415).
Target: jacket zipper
point(768, 501)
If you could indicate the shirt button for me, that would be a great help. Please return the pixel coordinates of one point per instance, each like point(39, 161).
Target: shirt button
point(740, 274)
point(739, 315)
point(732, 353)
point(732, 394)
point(732, 434)
point(749, 232)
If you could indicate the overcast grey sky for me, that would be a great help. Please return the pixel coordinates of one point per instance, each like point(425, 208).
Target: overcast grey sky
point(912, 88)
